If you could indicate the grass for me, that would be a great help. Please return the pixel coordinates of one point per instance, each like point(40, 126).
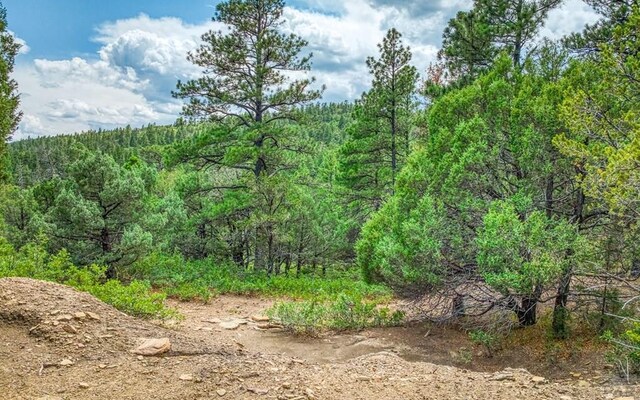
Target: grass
point(312, 317)
point(191, 280)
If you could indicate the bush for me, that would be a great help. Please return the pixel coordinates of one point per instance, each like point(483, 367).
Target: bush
point(345, 313)
point(193, 279)
point(33, 261)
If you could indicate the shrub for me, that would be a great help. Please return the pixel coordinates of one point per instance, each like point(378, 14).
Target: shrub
point(33, 261)
point(312, 317)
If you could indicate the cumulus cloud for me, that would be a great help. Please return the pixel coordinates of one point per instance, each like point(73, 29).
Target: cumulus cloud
point(130, 78)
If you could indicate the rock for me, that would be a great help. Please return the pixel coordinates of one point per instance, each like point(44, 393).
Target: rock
point(153, 347)
point(230, 325)
point(502, 376)
point(260, 318)
point(55, 312)
point(258, 391)
point(212, 320)
point(64, 318)
point(538, 379)
point(624, 398)
point(221, 392)
point(70, 329)
point(66, 363)
point(186, 377)
point(565, 398)
point(575, 374)
point(583, 384)
point(79, 315)
point(83, 385)
point(93, 316)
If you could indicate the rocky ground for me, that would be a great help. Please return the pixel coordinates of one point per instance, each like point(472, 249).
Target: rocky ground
point(57, 343)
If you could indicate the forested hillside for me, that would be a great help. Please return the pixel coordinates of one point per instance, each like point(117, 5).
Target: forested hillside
point(501, 188)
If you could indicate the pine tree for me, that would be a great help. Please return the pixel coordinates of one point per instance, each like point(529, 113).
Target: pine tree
point(246, 80)
point(247, 85)
point(9, 98)
point(380, 136)
point(473, 39)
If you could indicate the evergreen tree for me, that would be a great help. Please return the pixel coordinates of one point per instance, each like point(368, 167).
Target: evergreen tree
point(246, 82)
point(9, 97)
point(380, 136)
point(247, 86)
point(473, 39)
point(593, 37)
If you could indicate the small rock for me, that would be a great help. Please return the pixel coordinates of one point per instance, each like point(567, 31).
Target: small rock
point(83, 385)
point(153, 347)
point(624, 398)
point(55, 312)
point(583, 384)
point(93, 316)
point(502, 377)
point(260, 318)
point(102, 366)
point(70, 329)
point(186, 377)
point(66, 362)
point(212, 320)
point(258, 391)
point(221, 392)
point(565, 397)
point(140, 358)
point(64, 318)
point(538, 379)
point(575, 374)
point(230, 325)
point(79, 315)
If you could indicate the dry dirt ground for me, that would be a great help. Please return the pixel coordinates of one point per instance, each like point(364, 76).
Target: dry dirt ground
point(57, 343)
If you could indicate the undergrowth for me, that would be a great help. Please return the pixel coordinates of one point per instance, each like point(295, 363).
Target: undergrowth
point(312, 317)
point(33, 261)
point(195, 280)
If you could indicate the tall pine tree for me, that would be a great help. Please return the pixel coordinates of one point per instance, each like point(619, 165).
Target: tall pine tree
point(380, 136)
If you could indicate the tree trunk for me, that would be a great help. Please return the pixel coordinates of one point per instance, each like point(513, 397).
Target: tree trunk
point(560, 311)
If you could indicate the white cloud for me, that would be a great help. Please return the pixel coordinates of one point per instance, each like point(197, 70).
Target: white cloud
point(129, 80)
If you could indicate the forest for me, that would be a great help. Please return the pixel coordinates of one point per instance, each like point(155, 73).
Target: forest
point(498, 190)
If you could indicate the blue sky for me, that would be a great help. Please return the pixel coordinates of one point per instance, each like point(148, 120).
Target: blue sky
point(89, 64)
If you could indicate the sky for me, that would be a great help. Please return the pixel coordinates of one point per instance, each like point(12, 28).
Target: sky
point(90, 64)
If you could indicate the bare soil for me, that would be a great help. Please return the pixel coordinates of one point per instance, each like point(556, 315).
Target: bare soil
point(57, 343)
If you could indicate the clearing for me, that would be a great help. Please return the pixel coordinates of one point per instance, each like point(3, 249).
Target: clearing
point(58, 343)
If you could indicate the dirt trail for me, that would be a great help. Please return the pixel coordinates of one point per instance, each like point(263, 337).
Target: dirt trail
point(42, 358)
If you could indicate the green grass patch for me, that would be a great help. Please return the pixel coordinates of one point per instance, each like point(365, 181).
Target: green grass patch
point(191, 279)
point(312, 317)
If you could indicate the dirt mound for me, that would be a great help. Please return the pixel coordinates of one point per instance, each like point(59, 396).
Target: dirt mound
point(75, 325)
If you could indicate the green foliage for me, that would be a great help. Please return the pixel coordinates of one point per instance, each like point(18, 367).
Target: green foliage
point(344, 313)
point(183, 278)
point(33, 261)
point(137, 298)
point(518, 254)
point(474, 38)
point(380, 137)
point(487, 340)
point(9, 97)
point(95, 214)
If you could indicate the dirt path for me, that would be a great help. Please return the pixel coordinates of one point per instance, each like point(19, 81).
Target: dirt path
point(41, 358)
